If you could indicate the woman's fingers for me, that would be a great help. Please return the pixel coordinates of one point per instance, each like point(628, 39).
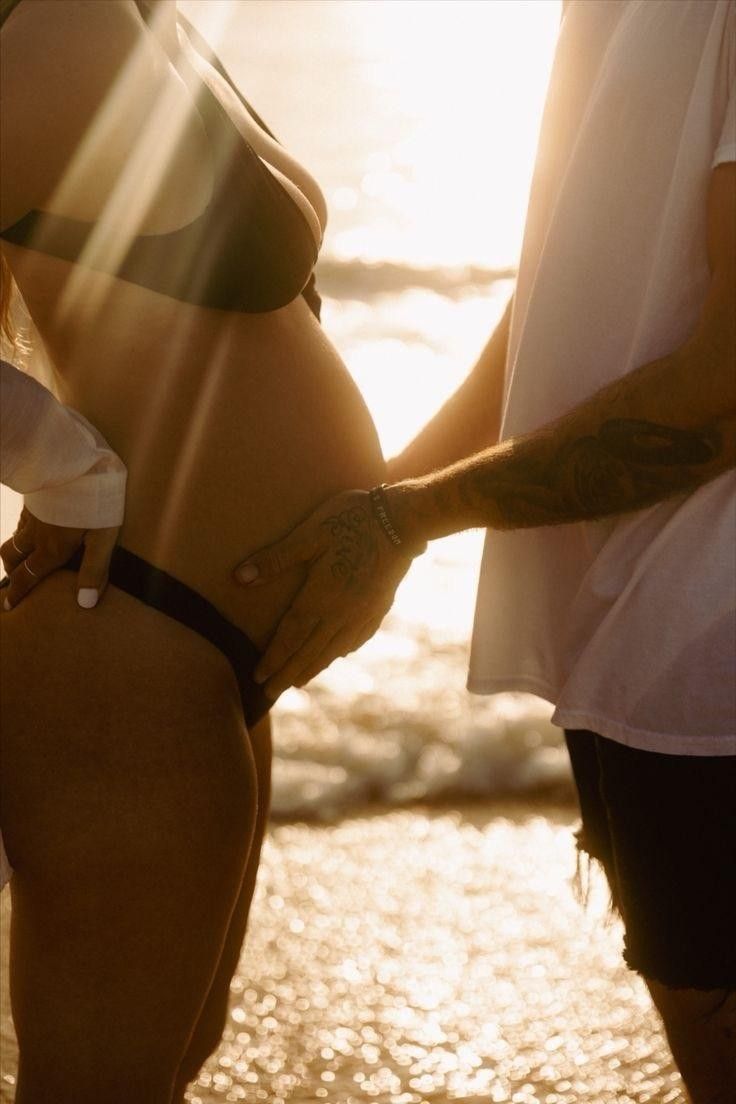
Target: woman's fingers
point(26, 576)
point(37, 548)
point(14, 550)
point(92, 579)
point(12, 553)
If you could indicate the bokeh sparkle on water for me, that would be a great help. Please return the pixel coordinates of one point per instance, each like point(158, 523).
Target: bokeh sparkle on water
point(427, 956)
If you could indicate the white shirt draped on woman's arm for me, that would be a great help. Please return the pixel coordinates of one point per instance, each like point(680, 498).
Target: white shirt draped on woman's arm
point(52, 456)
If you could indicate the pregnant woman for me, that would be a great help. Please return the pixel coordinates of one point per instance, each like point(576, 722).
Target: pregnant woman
point(162, 241)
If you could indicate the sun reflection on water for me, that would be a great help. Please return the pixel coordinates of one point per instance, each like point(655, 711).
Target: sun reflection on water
point(430, 957)
point(424, 957)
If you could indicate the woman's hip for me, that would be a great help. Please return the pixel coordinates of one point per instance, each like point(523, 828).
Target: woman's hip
point(117, 723)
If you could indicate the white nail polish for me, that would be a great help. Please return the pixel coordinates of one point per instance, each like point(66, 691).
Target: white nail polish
point(87, 597)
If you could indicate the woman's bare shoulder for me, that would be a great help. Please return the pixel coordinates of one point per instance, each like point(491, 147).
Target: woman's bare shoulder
point(67, 72)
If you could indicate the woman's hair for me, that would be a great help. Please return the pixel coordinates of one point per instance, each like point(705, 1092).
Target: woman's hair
point(14, 336)
point(7, 329)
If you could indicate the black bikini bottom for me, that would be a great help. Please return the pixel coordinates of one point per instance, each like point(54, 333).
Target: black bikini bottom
point(168, 595)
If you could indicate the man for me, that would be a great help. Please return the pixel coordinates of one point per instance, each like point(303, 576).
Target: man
point(608, 579)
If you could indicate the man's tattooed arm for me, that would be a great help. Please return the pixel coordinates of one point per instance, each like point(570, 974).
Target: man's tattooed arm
point(662, 430)
point(654, 434)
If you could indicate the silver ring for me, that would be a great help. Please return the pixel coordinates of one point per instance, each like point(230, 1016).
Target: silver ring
point(17, 549)
point(29, 569)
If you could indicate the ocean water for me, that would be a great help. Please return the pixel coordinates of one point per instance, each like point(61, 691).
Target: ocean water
point(427, 956)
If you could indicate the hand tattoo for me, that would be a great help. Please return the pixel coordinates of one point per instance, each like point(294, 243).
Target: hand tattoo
point(353, 543)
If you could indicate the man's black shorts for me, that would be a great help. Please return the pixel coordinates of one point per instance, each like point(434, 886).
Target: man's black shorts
point(664, 829)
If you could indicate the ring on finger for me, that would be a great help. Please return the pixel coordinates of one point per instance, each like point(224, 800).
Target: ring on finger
point(29, 569)
point(17, 549)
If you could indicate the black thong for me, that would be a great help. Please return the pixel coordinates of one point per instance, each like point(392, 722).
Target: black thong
point(168, 595)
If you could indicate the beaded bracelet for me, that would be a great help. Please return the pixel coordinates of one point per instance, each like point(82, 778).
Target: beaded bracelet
point(379, 505)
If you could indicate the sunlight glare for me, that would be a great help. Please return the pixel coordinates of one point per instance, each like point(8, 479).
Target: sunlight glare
point(136, 194)
point(124, 218)
point(196, 433)
point(471, 147)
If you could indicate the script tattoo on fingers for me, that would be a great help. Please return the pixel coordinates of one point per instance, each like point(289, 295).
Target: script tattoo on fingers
point(353, 545)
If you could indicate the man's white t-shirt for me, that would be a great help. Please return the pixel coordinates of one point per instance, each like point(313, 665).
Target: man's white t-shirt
point(627, 625)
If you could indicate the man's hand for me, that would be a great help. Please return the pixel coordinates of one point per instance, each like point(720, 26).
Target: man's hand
point(353, 575)
point(38, 548)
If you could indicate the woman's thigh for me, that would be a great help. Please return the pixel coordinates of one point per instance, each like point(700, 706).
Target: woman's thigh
point(129, 803)
point(213, 1016)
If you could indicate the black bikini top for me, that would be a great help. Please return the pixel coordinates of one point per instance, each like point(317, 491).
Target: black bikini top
point(250, 250)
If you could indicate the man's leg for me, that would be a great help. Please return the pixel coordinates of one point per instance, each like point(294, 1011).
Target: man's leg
point(664, 829)
point(701, 1031)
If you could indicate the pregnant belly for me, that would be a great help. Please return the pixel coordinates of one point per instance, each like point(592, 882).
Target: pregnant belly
point(252, 438)
point(233, 426)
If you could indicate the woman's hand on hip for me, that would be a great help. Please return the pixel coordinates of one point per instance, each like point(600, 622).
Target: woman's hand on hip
point(37, 548)
point(353, 575)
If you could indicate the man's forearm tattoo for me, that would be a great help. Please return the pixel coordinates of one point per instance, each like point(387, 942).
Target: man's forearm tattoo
point(626, 465)
point(353, 544)
point(646, 443)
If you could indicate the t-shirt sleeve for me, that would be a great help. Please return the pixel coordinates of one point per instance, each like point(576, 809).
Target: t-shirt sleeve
point(55, 458)
point(726, 148)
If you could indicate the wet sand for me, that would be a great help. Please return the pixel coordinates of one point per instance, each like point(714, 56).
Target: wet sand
point(430, 955)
